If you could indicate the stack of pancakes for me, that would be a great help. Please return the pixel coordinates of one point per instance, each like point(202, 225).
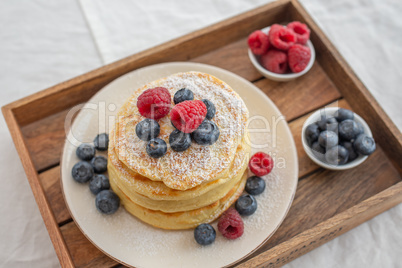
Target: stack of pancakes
point(181, 190)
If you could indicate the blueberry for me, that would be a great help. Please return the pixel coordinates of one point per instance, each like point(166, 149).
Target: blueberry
point(328, 123)
point(206, 134)
point(364, 144)
point(255, 185)
point(246, 205)
point(343, 114)
point(331, 120)
point(85, 151)
point(317, 149)
point(99, 164)
point(322, 123)
point(361, 128)
point(312, 133)
point(332, 124)
point(98, 183)
point(337, 155)
point(107, 202)
point(210, 109)
point(352, 153)
point(179, 141)
point(204, 234)
point(147, 129)
point(328, 139)
point(183, 95)
point(156, 148)
point(82, 172)
point(101, 142)
point(348, 129)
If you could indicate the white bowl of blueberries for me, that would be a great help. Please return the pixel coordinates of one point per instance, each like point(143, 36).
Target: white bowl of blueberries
point(337, 139)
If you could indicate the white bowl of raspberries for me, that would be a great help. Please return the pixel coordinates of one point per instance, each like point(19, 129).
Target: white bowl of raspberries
point(282, 53)
point(337, 139)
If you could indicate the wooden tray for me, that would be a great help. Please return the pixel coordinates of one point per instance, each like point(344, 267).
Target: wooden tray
point(326, 204)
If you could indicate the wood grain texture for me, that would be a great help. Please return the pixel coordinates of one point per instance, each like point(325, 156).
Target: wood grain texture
point(301, 95)
point(37, 190)
point(83, 252)
point(228, 58)
point(45, 139)
point(50, 181)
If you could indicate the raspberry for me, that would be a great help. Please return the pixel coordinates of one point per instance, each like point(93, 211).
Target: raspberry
point(299, 56)
point(281, 37)
point(154, 103)
point(261, 164)
point(230, 224)
point(258, 42)
point(301, 31)
point(275, 61)
point(188, 115)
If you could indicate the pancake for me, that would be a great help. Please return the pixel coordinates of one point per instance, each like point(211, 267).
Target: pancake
point(186, 219)
point(134, 183)
point(198, 164)
point(157, 196)
point(181, 190)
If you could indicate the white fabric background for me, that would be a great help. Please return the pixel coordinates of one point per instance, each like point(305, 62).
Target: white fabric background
point(46, 42)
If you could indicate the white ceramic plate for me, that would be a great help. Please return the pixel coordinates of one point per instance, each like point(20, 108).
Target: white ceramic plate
point(128, 240)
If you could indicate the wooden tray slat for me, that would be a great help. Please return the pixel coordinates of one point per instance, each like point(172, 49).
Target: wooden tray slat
point(50, 181)
point(83, 252)
point(301, 95)
point(45, 140)
point(228, 57)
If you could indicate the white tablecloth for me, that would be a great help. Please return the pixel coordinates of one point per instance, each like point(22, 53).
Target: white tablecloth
point(46, 42)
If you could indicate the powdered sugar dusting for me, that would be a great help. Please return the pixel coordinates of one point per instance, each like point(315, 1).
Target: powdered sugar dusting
point(198, 164)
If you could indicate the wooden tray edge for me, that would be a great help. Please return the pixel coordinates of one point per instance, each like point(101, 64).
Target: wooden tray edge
point(37, 190)
point(393, 142)
point(327, 230)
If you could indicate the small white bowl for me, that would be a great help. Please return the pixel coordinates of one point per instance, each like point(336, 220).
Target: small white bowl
point(280, 77)
point(320, 160)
